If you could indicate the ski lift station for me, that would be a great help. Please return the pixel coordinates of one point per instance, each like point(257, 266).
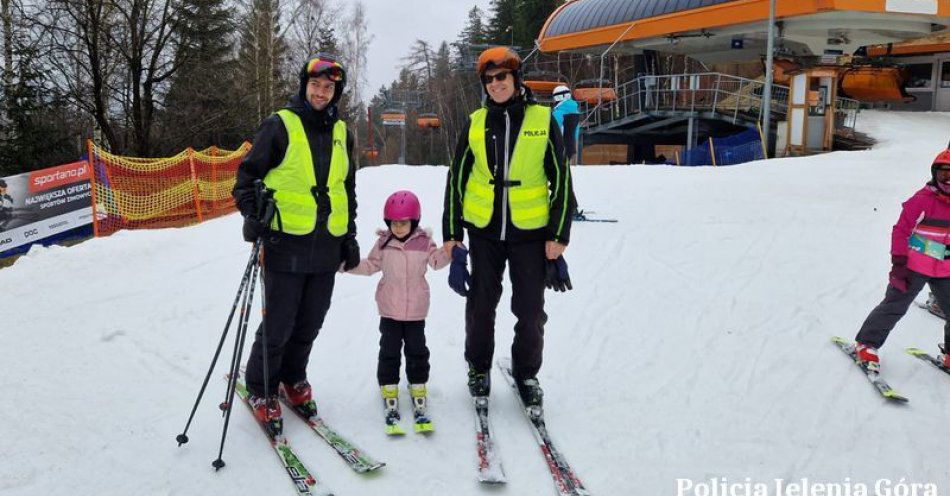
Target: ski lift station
point(673, 77)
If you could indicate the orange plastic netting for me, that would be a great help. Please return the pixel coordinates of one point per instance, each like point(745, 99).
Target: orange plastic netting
point(148, 193)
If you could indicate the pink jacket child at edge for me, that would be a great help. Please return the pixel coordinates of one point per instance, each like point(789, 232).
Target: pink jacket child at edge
point(925, 215)
point(920, 256)
point(403, 253)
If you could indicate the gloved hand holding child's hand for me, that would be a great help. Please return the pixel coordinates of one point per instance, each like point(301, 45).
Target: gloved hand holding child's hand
point(350, 253)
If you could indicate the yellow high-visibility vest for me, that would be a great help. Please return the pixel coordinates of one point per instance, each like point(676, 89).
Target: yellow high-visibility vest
point(294, 182)
point(528, 184)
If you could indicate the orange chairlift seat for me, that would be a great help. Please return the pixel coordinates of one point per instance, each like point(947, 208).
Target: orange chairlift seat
point(876, 84)
point(590, 91)
point(544, 82)
point(426, 121)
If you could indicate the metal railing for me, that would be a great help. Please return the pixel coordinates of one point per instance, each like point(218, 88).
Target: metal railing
point(729, 96)
point(703, 92)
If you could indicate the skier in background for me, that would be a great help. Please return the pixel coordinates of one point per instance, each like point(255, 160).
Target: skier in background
point(403, 252)
point(511, 188)
point(303, 153)
point(568, 116)
point(919, 255)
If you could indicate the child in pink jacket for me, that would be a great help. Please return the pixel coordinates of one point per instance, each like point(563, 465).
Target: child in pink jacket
point(403, 253)
point(920, 254)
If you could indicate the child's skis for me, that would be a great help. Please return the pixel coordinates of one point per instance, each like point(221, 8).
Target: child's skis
point(927, 357)
point(874, 377)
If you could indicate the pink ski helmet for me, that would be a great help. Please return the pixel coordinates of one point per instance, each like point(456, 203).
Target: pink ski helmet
point(402, 205)
point(942, 162)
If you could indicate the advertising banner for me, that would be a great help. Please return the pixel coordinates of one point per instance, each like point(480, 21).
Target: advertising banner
point(38, 204)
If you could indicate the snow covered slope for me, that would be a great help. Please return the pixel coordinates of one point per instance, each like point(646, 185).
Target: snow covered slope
point(695, 345)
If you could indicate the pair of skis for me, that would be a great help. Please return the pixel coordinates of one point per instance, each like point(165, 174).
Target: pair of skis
point(490, 469)
point(305, 482)
point(886, 391)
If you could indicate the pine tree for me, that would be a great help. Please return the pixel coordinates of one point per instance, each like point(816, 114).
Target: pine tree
point(474, 32)
point(264, 68)
point(37, 127)
point(198, 105)
point(530, 16)
point(502, 25)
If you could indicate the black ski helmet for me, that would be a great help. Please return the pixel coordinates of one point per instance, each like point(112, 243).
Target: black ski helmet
point(319, 65)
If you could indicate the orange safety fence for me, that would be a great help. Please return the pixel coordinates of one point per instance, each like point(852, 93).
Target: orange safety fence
point(150, 193)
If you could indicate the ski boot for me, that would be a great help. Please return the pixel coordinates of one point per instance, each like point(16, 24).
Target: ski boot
point(267, 412)
point(419, 408)
point(933, 307)
point(300, 397)
point(531, 395)
point(867, 355)
point(390, 394)
point(479, 383)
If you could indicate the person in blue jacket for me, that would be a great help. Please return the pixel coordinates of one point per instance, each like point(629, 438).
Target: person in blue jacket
point(568, 116)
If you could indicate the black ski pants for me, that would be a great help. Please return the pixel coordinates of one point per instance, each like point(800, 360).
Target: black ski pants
point(885, 315)
point(296, 306)
point(394, 334)
point(526, 263)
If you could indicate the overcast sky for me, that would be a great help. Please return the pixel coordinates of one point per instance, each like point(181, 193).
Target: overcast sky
point(396, 24)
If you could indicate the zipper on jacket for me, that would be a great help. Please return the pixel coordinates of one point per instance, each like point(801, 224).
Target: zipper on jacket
point(504, 190)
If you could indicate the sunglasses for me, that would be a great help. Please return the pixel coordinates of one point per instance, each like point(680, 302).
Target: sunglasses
point(501, 76)
point(331, 70)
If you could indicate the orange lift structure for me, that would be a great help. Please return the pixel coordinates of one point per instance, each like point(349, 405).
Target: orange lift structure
point(825, 33)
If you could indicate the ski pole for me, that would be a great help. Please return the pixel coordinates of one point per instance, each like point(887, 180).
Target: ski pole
point(183, 437)
point(236, 363)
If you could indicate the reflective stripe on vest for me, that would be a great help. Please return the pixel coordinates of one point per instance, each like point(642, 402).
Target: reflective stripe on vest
point(528, 196)
point(294, 183)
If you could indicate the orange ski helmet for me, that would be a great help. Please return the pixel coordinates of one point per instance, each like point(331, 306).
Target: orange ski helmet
point(498, 56)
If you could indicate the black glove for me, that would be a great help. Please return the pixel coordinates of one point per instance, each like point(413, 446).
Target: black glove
point(257, 221)
point(459, 278)
point(350, 253)
point(253, 229)
point(556, 276)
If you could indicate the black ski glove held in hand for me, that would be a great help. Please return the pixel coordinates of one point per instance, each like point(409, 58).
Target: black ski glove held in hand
point(253, 229)
point(556, 276)
point(256, 221)
point(350, 253)
point(459, 278)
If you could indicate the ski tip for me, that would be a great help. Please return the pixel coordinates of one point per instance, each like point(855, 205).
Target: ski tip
point(369, 469)
point(838, 340)
point(493, 481)
point(395, 430)
point(424, 428)
point(896, 398)
point(916, 351)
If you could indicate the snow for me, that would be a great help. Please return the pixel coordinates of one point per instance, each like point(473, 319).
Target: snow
point(695, 345)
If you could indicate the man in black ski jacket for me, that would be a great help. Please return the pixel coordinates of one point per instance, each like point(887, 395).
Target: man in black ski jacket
point(511, 188)
point(303, 158)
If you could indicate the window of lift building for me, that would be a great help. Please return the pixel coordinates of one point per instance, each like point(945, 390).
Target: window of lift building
point(945, 75)
point(921, 76)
